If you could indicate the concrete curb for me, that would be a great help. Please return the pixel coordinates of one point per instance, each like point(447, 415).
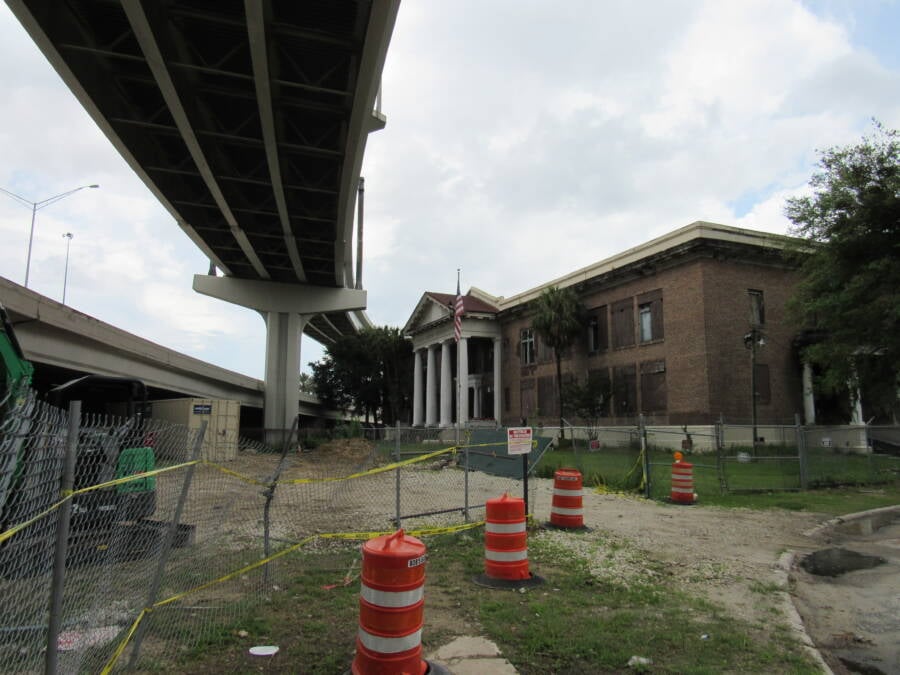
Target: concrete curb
point(884, 512)
point(786, 563)
point(782, 575)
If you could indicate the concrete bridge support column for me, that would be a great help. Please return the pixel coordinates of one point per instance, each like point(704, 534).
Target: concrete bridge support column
point(283, 334)
point(286, 308)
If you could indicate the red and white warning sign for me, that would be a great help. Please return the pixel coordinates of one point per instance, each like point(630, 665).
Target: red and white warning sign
point(518, 440)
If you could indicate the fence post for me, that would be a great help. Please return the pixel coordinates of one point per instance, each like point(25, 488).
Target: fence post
point(62, 540)
point(166, 548)
point(642, 431)
point(466, 482)
point(269, 493)
point(801, 452)
point(720, 460)
point(397, 476)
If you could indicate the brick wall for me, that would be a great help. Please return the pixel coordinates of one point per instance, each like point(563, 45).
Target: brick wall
point(705, 316)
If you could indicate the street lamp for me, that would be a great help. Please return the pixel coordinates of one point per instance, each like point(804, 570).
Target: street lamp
point(35, 207)
point(752, 341)
point(68, 237)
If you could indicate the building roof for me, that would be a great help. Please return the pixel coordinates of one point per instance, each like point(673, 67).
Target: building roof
point(696, 231)
point(434, 308)
point(471, 304)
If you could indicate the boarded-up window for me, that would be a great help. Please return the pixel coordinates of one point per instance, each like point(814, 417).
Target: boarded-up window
point(598, 330)
point(650, 315)
point(623, 323)
point(548, 401)
point(527, 404)
point(601, 390)
point(625, 390)
point(506, 403)
point(545, 353)
point(653, 386)
point(757, 307)
point(763, 388)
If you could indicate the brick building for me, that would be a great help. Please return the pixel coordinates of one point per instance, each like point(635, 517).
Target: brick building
point(670, 326)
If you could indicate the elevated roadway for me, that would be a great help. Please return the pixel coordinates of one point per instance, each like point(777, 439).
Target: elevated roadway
point(248, 120)
point(64, 343)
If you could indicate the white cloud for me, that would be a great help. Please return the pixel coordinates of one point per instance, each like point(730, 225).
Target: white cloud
point(524, 139)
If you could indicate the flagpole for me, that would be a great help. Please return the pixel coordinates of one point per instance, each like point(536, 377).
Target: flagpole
point(458, 383)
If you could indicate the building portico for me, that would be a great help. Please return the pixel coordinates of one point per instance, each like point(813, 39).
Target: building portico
point(455, 381)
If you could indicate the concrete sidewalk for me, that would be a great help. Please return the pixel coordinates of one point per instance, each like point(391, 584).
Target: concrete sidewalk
point(472, 656)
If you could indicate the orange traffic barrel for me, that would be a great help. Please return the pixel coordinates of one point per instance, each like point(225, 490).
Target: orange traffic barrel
point(682, 481)
point(391, 607)
point(566, 509)
point(505, 539)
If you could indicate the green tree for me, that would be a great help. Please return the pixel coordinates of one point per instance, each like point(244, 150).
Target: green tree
point(558, 320)
point(849, 296)
point(307, 386)
point(368, 372)
point(588, 401)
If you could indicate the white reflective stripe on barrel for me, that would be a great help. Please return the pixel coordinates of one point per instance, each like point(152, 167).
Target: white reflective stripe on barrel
point(506, 556)
point(566, 512)
point(683, 490)
point(504, 528)
point(568, 493)
point(392, 598)
point(390, 645)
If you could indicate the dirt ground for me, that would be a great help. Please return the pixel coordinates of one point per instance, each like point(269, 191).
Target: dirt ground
point(729, 555)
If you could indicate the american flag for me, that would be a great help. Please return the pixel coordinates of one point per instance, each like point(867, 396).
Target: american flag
point(457, 313)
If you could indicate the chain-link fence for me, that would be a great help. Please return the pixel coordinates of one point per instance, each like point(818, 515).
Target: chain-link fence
point(122, 545)
point(724, 457)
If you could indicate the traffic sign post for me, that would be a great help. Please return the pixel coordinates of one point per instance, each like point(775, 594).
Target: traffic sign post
point(519, 442)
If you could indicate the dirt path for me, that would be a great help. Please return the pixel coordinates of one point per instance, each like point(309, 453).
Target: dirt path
point(728, 555)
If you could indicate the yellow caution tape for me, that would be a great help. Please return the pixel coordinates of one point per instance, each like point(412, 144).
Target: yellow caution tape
point(423, 532)
point(246, 479)
point(124, 643)
point(134, 477)
point(68, 494)
point(376, 470)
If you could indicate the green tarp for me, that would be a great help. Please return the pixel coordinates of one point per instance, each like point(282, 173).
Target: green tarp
point(487, 452)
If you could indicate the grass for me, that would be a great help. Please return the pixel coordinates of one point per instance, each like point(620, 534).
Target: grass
point(843, 482)
point(572, 623)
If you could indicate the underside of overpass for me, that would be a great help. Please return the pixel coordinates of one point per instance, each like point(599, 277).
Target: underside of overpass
point(248, 120)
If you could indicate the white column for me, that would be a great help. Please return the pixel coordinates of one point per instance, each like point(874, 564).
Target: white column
point(417, 388)
point(431, 388)
point(809, 399)
point(462, 355)
point(498, 384)
point(446, 386)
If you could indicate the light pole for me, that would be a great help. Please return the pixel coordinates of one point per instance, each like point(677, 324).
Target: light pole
point(35, 207)
point(68, 237)
point(752, 341)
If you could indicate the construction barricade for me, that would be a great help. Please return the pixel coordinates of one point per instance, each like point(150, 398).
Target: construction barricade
point(682, 481)
point(391, 607)
point(567, 508)
point(506, 545)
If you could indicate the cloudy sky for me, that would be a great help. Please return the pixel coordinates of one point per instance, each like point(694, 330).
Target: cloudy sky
point(524, 139)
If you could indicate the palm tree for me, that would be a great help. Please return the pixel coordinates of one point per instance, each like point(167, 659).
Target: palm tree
point(558, 319)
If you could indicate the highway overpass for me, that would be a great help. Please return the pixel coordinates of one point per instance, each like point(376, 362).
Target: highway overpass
point(64, 343)
point(248, 120)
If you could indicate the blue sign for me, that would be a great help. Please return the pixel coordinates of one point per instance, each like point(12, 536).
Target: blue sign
point(203, 408)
